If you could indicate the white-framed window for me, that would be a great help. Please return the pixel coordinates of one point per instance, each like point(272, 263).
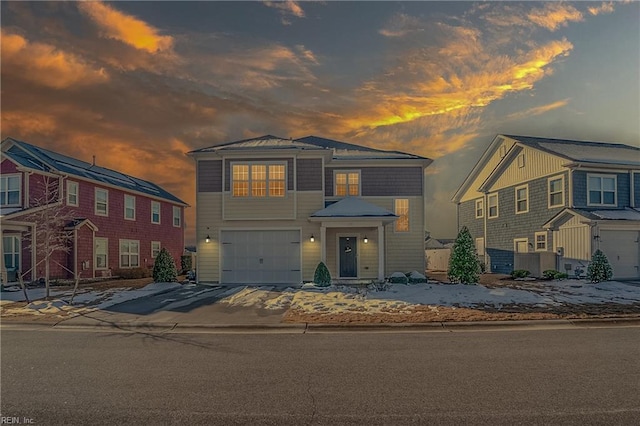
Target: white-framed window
point(155, 212)
point(480, 246)
point(72, 194)
point(522, 199)
point(102, 202)
point(492, 201)
point(10, 190)
point(601, 190)
point(541, 241)
point(101, 253)
point(258, 180)
point(503, 151)
point(11, 251)
point(129, 253)
point(556, 191)
point(521, 160)
point(401, 209)
point(480, 208)
point(346, 183)
point(155, 249)
point(177, 216)
point(129, 207)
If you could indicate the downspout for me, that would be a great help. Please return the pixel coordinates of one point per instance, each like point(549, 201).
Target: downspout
point(632, 189)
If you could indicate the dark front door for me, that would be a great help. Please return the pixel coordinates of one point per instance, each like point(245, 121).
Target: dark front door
point(348, 257)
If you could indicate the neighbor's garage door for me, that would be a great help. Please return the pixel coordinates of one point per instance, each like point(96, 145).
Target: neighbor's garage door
point(623, 251)
point(261, 257)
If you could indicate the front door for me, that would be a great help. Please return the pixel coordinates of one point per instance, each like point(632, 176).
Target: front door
point(348, 257)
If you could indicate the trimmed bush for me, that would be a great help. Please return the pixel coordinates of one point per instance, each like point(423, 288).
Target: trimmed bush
point(599, 269)
point(322, 276)
point(520, 273)
point(398, 278)
point(164, 268)
point(464, 266)
point(552, 274)
point(185, 263)
point(131, 273)
point(416, 277)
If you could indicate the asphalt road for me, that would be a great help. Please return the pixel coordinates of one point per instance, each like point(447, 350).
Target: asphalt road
point(561, 376)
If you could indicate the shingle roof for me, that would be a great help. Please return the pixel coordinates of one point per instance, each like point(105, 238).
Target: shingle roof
point(42, 159)
point(341, 150)
point(584, 151)
point(353, 207)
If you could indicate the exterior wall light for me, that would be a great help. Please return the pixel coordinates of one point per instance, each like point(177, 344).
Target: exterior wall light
point(366, 240)
point(207, 239)
point(312, 239)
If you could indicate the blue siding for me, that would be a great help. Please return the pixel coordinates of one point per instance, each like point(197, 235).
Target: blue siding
point(580, 188)
point(636, 189)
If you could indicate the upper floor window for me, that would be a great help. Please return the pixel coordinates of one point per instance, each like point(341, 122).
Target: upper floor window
point(155, 212)
point(601, 190)
point(522, 199)
point(129, 207)
point(347, 183)
point(72, 193)
point(10, 190)
point(402, 211)
point(521, 161)
point(479, 208)
point(177, 217)
point(258, 180)
point(492, 200)
point(556, 191)
point(102, 202)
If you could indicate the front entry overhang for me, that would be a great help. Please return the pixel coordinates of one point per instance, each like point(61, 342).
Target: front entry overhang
point(353, 213)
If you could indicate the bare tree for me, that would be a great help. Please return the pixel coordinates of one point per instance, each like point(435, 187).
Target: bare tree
point(49, 235)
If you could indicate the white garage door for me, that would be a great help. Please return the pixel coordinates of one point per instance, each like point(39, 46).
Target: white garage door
point(623, 251)
point(261, 257)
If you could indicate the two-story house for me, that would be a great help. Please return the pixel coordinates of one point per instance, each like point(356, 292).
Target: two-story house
point(113, 220)
point(270, 209)
point(559, 200)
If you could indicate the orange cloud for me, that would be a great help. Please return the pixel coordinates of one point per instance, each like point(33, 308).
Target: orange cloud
point(538, 110)
point(401, 25)
point(555, 15)
point(288, 7)
point(603, 8)
point(45, 64)
point(125, 28)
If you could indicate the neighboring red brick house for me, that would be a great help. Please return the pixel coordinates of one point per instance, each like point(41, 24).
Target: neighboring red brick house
point(113, 221)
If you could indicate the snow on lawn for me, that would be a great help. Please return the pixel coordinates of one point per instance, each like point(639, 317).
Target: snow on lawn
point(84, 301)
point(401, 297)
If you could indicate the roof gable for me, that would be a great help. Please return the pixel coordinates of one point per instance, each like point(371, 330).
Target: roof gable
point(41, 159)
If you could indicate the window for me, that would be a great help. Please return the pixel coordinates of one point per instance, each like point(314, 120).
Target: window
point(521, 245)
point(521, 161)
point(155, 249)
point(480, 246)
point(503, 151)
point(541, 241)
point(258, 180)
point(129, 253)
point(177, 217)
point(347, 184)
point(72, 193)
point(479, 208)
point(556, 191)
point(10, 190)
point(155, 212)
point(522, 199)
point(492, 201)
point(601, 190)
point(129, 207)
point(102, 202)
point(101, 253)
point(402, 211)
point(11, 250)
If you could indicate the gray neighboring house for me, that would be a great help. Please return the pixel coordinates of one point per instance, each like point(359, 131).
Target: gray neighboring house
point(538, 203)
point(269, 209)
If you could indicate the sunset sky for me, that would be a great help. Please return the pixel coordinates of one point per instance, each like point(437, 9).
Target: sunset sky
point(139, 84)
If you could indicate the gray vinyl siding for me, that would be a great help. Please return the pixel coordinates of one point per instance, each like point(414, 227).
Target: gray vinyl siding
point(382, 181)
point(501, 231)
point(309, 174)
point(467, 215)
point(209, 175)
point(227, 169)
point(636, 188)
point(580, 188)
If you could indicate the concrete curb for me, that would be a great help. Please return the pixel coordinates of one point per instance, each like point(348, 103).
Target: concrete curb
point(306, 328)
